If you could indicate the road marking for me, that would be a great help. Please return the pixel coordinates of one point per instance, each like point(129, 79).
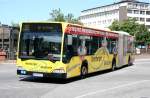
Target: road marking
point(109, 89)
point(22, 85)
point(142, 63)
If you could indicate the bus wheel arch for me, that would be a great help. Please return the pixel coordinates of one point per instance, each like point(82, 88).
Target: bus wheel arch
point(84, 69)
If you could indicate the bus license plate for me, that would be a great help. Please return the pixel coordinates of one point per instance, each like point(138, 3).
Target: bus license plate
point(37, 75)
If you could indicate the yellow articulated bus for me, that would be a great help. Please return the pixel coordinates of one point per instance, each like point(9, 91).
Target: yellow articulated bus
point(64, 50)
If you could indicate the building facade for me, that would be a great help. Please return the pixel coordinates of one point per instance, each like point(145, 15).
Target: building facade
point(8, 39)
point(4, 36)
point(103, 16)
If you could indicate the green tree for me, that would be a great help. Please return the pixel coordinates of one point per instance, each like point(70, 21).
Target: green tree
point(69, 17)
point(13, 24)
point(57, 15)
point(115, 26)
point(130, 26)
point(140, 31)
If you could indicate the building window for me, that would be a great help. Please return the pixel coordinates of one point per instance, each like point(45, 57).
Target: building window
point(136, 18)
point(102, 13)
point(129, 11)
point(136, 5)
point(148, 26)
point(147, 19)
point(129, 5)
point(142, 6)
point(146, 6)
point(142, 12)
point(136, 12)
point(142, 19)
point(99, 14)
point(147, 12)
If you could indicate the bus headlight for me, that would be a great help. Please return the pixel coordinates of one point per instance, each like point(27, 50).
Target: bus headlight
point(59, 71)
point(21, 70)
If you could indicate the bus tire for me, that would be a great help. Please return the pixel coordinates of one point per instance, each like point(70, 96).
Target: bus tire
point(84, 69)
point(113, 64)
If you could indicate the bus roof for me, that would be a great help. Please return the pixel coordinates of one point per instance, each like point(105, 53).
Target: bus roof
point(66, 23)
point(41, 22)
point(94, 28)
point(122, 32)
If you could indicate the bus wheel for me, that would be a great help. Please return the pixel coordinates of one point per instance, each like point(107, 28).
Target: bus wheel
point(84, 71)
point(113, 65)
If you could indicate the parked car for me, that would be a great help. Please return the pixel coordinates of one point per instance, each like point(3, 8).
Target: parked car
point(138, 51)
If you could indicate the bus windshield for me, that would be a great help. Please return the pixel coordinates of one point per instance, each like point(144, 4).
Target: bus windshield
point(40, 41)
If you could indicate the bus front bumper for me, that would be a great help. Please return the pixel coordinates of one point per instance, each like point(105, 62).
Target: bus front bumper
point(38, 74)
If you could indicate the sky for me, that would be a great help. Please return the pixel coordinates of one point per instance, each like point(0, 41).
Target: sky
point(37, 10)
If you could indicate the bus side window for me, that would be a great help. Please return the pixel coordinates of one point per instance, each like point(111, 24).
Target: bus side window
point(88, 43)
point(109, 45)
point(75, 43)
point(71, 44)
point(112, 45)
point(100, 42)
point(95, 44)
point(68, 50)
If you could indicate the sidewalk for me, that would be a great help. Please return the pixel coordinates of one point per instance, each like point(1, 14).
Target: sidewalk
point(142, 56)
point(8, 62)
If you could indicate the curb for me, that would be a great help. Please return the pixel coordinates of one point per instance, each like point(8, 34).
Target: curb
point(147, 59)
point(8, 62)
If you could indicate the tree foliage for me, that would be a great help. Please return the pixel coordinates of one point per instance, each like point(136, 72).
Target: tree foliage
point(130, 26)
point(13, 24)
point(140, 31)
point(69, 17)
point(57, 15)
point(115, 26)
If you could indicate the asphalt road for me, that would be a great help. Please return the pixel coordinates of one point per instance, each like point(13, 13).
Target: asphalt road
point(128, 82)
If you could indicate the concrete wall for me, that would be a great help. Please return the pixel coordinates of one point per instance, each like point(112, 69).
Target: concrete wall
point(122, 13)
